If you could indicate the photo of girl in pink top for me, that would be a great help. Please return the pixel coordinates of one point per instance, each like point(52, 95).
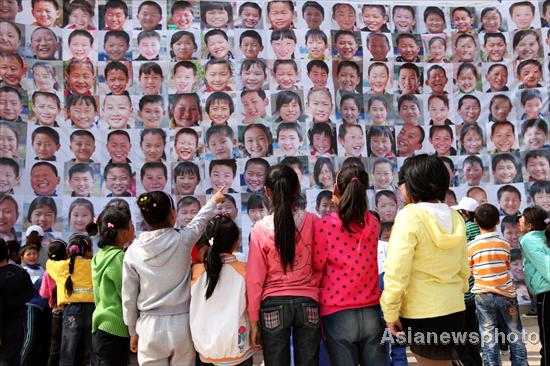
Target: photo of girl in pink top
point(350, 294)
point(281, 288)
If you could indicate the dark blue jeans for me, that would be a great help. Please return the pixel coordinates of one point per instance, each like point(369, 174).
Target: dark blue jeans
point(77, 327)
point(281, 315)
point(489, 306)
point(354, 337)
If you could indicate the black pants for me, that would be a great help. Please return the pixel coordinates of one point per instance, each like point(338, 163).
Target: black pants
point(469, 353)
point(109, 349)
point(543, 317)
point(55, 339)
point(11, 334)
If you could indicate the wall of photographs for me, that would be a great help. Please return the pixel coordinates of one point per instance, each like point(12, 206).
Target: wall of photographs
point(105, 99)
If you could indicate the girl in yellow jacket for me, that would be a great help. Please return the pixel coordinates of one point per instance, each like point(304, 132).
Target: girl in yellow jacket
point(73, 278)
point(426, 269)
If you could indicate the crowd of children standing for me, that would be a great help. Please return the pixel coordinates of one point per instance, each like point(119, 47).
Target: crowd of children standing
point(154, 296)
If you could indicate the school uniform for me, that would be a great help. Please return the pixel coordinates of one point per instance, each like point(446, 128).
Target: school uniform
point(221, 337)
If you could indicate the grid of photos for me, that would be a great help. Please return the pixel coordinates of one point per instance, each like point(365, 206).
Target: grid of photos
point(102, 100)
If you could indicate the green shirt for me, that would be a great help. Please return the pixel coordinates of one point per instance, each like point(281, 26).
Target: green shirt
point(472, 230)
point(107, 280)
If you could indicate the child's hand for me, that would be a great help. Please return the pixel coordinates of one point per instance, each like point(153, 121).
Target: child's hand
point(395, 328)
point(255, 336)
point(134, 343)
point(218, 197)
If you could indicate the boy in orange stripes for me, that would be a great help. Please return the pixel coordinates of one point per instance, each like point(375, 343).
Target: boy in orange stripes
point(495, 292)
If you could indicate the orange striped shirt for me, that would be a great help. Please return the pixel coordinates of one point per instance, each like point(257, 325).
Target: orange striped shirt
point(490, 265)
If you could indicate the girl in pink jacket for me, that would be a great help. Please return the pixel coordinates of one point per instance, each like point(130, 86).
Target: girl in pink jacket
point(345, 258)
point(281, 288)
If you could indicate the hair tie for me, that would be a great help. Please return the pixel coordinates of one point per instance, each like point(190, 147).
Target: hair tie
point(547, 221)
point(354, 179)
point(73, 249)
point(211, 241)
point(110, 226)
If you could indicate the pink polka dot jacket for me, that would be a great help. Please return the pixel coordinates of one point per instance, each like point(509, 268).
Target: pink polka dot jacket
point(346, 263)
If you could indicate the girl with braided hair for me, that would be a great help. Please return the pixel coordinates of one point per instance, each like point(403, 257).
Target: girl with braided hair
point(73, 277)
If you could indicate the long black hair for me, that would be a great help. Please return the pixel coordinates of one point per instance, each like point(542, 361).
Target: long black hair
point(284, 185)
point(78, 245)
point(352, 183)
point(222, 233)
point(109, 221)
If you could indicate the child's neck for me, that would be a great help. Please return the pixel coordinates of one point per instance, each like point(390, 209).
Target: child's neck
point(487, 231)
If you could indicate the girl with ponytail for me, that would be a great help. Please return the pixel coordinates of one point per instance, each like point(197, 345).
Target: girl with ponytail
point(110, 337)
point(156, 283)
point(535, 247)
point(281, 288)
point(73, 277)
point(220, 283)
point(349, 294)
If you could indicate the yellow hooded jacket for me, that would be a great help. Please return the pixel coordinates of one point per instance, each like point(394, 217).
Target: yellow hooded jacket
point(426, 269)
point(81, 277)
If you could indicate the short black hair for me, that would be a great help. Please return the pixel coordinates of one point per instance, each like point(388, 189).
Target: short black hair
point(231, 163)
point(251, 34)
point(508, 188)
point(317, 63)
point(150, 99)
point(522, 3)
point(313, 4)
point(48, 131)
point(435, 11)
point(116, 65)
point(117, 4)
point(80, 168)
point(4, 161)
point(323, 194)
point(153, 165)
point(124, 166)
point(410, 66)
point(116, 33)
point(150, 3)
point(82, 133)
point(257, 161)
point(187, 167)
point(52, 167)
point(486, 216)
point(414, 173)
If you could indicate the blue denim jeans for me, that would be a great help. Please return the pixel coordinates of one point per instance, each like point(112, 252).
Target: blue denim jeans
point(489, 307)
point(354, 337)
point(281, 315)
point(77, 327)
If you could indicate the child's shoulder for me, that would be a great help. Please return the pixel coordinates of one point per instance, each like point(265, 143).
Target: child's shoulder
point(239, 266)
point(196, 271)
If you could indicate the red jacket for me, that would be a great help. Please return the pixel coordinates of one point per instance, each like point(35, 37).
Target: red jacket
point(347, 263)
